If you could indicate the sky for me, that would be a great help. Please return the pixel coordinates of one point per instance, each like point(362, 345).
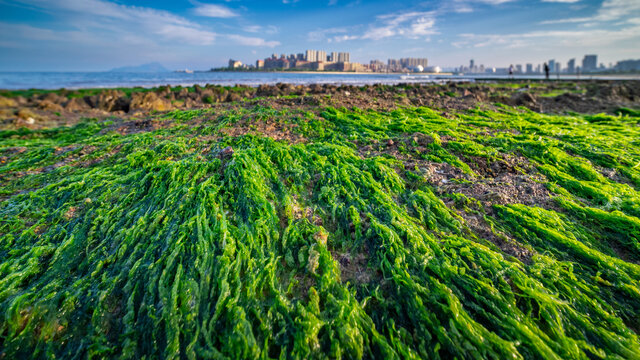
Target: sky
point(97, 35)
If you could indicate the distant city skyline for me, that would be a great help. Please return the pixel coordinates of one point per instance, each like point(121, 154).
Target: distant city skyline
point(96, 35)
point(322, 60)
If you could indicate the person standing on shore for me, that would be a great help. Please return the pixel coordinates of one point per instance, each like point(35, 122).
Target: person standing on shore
point(511, 71)
point(546, 71)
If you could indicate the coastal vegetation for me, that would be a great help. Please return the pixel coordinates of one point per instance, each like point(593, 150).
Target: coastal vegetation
point(359, 225)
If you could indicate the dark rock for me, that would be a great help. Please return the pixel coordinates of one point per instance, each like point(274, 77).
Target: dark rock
point(149, 101)
point(315, 89)
point(76, 104)
point(207, 96)
point(183, 94)
point(190, 103)
point(164, 91)
point(53, 98)
point(109, 100)
point(7, 102)
point(267, 90)
point(49, 106)
point(524, 98)
point(226, 153)
point(233, 96)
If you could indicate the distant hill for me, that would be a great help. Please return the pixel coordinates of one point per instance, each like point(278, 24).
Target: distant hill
point(150, 67)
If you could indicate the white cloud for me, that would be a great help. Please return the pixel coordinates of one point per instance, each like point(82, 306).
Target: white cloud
point(252, 28)
point(466, 6)
point(616, 9)
point(377, 33)
point(412, 25)
point(122, 20)
point(493, 2)
point(27, 32)
point(133, 25)
point(253, 41)
point(262, 29)
point(324, 34)
point(214, 11)
point(341, 38)
point(187, 34)
point(579, 39)
point(610, 10)
point(561, 1)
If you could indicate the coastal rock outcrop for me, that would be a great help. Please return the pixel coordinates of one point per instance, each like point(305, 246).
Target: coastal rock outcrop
point(148, 101)
point(7, 102)
point(109, 100)
point(76, 104)
point(49, 106)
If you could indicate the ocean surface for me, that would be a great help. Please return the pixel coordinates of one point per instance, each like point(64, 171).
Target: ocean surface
point(80, 80)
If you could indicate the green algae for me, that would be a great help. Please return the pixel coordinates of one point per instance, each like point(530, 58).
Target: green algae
point(155, 244)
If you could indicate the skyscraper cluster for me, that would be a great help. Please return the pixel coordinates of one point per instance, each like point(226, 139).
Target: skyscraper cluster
point(589, 64)
point(311, 60)
point(406, 63)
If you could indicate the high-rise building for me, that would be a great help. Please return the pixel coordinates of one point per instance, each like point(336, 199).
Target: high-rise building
point(552, 65)
point(321, 56)
point(408, 63)
point(316, 56)
point(529, 68)
point(234, 64)
point(376, 65)
point(590, 63)
point(628, 65)
point(557, 68)
point(471, 65)
point(334, 57)
point(519, 68)
point(571, 66)
point(311, 55)
point(344, 57)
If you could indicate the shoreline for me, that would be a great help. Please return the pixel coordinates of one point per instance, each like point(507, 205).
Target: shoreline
point(101, 80)
point(44, 108)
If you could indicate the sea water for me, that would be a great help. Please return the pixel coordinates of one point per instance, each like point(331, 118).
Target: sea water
point(79, 80)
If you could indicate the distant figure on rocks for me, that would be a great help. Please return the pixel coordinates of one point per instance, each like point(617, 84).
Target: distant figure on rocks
point(546, 71)
point(511, 71)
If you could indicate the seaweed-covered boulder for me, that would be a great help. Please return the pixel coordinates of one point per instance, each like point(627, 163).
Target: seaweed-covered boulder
point(7, 102)
point(148, 101)
point(49, 105)
point(76, 104)
point(524, 98)
point(233, 96)
point(53, 98)
point(109, 100)
point(267, 90)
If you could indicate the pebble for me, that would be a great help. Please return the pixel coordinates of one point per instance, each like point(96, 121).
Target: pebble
point(226, 152)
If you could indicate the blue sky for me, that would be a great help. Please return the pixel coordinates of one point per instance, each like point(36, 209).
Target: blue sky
point(87, 35)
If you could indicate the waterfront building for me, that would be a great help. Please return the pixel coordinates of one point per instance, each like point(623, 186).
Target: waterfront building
point(234, 64)
point(529, 68)
point(571, 66)
point(590, 63)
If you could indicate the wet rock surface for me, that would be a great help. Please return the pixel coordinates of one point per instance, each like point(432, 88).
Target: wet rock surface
point(588, 97)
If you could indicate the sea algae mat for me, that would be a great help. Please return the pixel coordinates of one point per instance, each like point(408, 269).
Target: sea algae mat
point(336, 233)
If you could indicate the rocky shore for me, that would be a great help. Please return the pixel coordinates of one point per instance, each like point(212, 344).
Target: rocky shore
point(40, 108)
point(436, 221)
